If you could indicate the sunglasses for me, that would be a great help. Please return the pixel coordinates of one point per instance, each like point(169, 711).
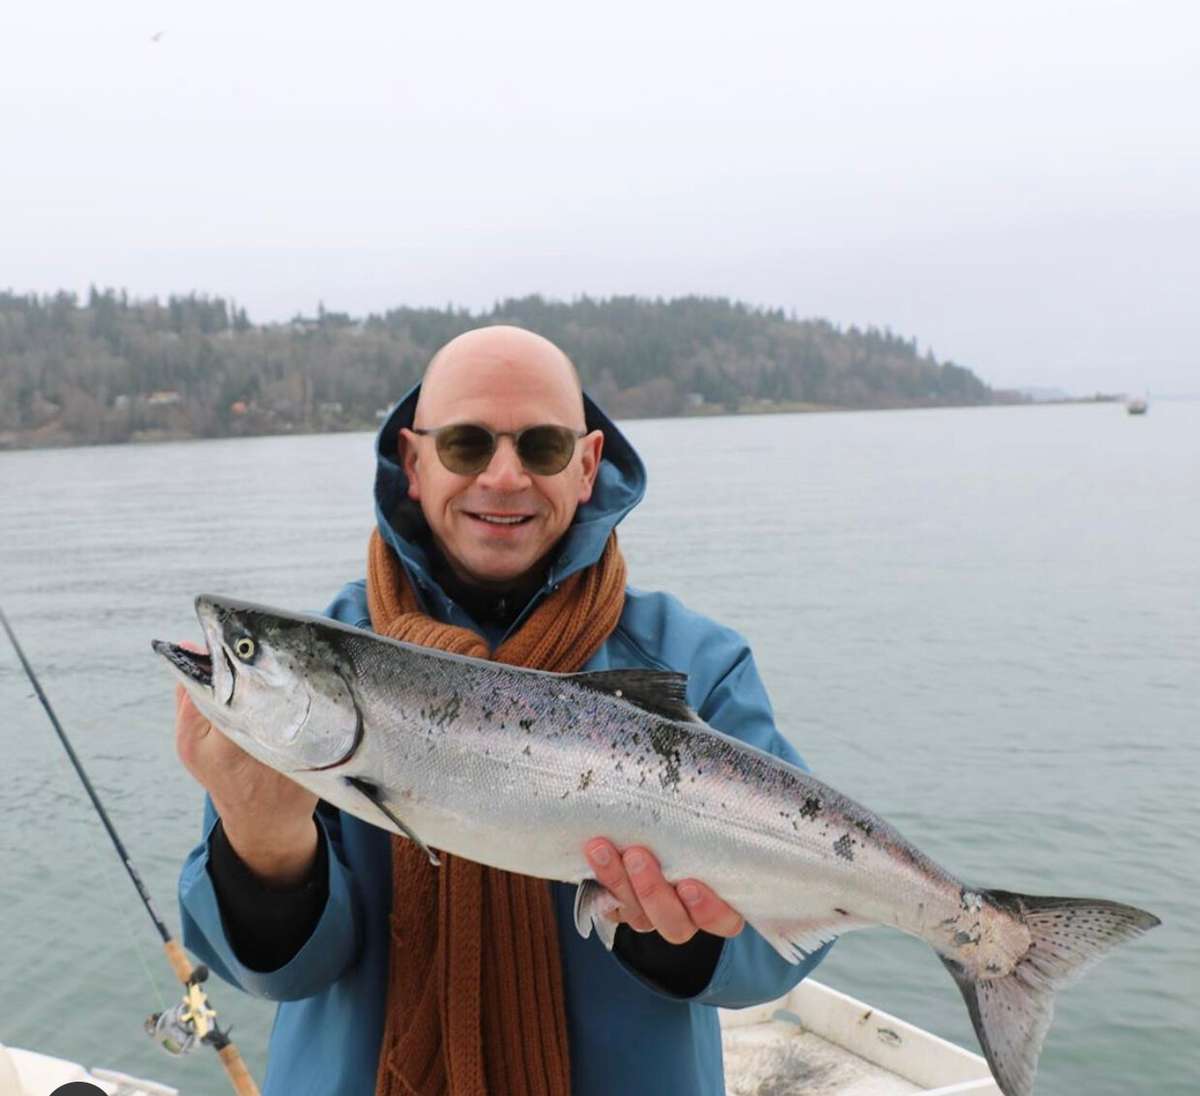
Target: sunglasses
point(467, 448)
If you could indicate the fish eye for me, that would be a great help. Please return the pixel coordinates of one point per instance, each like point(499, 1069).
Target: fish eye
point(244, 648)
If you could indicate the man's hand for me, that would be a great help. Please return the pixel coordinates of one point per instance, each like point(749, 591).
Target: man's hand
point(267, 818)
point(650, 904)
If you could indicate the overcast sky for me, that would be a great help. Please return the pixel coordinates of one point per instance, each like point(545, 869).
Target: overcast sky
point(1016, 185)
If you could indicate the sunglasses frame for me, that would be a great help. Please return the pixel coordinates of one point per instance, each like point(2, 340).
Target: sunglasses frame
point(436, 433)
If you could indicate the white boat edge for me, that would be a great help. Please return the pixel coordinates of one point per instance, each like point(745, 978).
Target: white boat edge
point(935, 1066)
point(916, 1058)
point(31, 1073)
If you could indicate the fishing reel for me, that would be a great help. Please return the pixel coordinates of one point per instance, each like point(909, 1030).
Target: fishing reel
point(193, 1021)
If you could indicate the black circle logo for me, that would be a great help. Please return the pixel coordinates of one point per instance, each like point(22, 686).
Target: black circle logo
point(78, 1088)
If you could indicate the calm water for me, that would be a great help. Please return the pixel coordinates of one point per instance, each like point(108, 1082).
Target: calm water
point(984, 624)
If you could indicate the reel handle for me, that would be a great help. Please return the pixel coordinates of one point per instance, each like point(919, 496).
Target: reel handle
point(235, 1066)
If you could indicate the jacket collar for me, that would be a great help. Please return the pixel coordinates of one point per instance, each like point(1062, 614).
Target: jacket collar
point(620, 485)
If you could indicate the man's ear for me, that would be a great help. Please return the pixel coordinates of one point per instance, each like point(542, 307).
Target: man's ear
point(406, 450)
point(591, 446)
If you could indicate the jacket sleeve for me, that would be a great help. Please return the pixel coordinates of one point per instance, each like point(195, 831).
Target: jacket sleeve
point(747, 971)
point(330, 948)
point(336, 938)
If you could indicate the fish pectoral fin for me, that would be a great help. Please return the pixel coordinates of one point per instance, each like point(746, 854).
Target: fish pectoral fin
point(662, 692)
point(796, 940)
point(371, 792)
point(592, 901)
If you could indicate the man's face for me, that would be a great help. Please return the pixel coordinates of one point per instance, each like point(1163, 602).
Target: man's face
point(506, 381)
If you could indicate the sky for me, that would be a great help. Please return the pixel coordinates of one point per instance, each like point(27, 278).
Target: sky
point(1015, 185)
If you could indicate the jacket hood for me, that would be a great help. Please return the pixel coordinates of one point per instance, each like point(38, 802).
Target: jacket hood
point(620, 485)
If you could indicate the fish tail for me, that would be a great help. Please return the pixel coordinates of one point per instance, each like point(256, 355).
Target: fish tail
point(1012, 1014)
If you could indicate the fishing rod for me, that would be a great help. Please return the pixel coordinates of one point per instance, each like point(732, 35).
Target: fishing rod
point(193, 1021)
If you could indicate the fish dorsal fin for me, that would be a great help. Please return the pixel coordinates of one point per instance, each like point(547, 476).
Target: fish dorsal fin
point(663, 692)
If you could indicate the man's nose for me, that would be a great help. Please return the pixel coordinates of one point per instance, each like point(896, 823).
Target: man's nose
point(504, 472)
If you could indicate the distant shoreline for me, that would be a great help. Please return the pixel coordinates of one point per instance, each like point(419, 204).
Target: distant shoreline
point(49, 436)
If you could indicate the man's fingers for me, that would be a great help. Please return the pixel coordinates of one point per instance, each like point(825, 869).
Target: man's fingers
point(610, 872)
point(649, 902)
point(657, 897)
point(707, 911)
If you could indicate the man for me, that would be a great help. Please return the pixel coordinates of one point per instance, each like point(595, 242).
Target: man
point(497, 492)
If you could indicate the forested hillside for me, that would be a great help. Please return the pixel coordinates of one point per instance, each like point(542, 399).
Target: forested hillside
point(109, 368)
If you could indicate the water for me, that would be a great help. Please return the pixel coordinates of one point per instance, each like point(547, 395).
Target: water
point(982, 623)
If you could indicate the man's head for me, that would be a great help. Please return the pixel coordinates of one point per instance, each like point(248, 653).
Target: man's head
point(495, 527)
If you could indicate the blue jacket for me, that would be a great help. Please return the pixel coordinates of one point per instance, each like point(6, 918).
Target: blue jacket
point(626, 1035)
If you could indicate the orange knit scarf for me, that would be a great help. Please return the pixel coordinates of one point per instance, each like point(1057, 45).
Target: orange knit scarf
point(475, 998)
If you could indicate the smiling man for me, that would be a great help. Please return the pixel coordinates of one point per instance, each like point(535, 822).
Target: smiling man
point(498, 489)
point(494, 520)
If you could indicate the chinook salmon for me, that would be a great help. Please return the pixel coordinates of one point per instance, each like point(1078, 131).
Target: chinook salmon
point(519, 769)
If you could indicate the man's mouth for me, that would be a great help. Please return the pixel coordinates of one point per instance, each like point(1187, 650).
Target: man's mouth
point(194, 664)
point(500, 519)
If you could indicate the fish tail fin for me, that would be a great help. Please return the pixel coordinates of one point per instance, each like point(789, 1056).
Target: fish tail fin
point(1012, 1014)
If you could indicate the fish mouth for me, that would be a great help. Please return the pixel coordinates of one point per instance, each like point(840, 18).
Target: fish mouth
point(196, 665)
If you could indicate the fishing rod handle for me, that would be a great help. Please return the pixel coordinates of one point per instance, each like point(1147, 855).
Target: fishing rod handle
point(231, 1059)
point(239, 1074)
point(180, 963)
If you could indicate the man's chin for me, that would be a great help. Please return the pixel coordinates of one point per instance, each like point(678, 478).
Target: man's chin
point(496, 566)
point(485, 570)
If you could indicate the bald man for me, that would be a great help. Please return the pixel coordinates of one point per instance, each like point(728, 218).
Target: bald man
point(498, 487)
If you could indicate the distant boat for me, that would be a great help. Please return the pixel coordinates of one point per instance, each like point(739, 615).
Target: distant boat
point(1137, 407)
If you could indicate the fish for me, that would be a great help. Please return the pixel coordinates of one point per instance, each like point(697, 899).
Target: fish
point(518, 769)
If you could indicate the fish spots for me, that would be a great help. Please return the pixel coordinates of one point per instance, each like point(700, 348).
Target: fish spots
point(864, 825)
point(962, 939)
point(665, 740)
point(440, 715)
point(527, 751)
point(584, 780)
point(838, 910)
point(526, 725)
point(844, 847)
point(811, 808)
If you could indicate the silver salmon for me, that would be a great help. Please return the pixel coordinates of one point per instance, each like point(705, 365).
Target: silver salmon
point(519, 769)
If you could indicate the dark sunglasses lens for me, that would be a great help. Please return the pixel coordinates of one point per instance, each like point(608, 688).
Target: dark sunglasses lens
point(466, 449)
point(546, 450)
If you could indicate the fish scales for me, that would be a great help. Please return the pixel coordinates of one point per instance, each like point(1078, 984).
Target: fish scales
point(573, 763)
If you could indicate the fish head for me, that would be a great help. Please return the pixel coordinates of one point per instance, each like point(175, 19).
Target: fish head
point(278, 684)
